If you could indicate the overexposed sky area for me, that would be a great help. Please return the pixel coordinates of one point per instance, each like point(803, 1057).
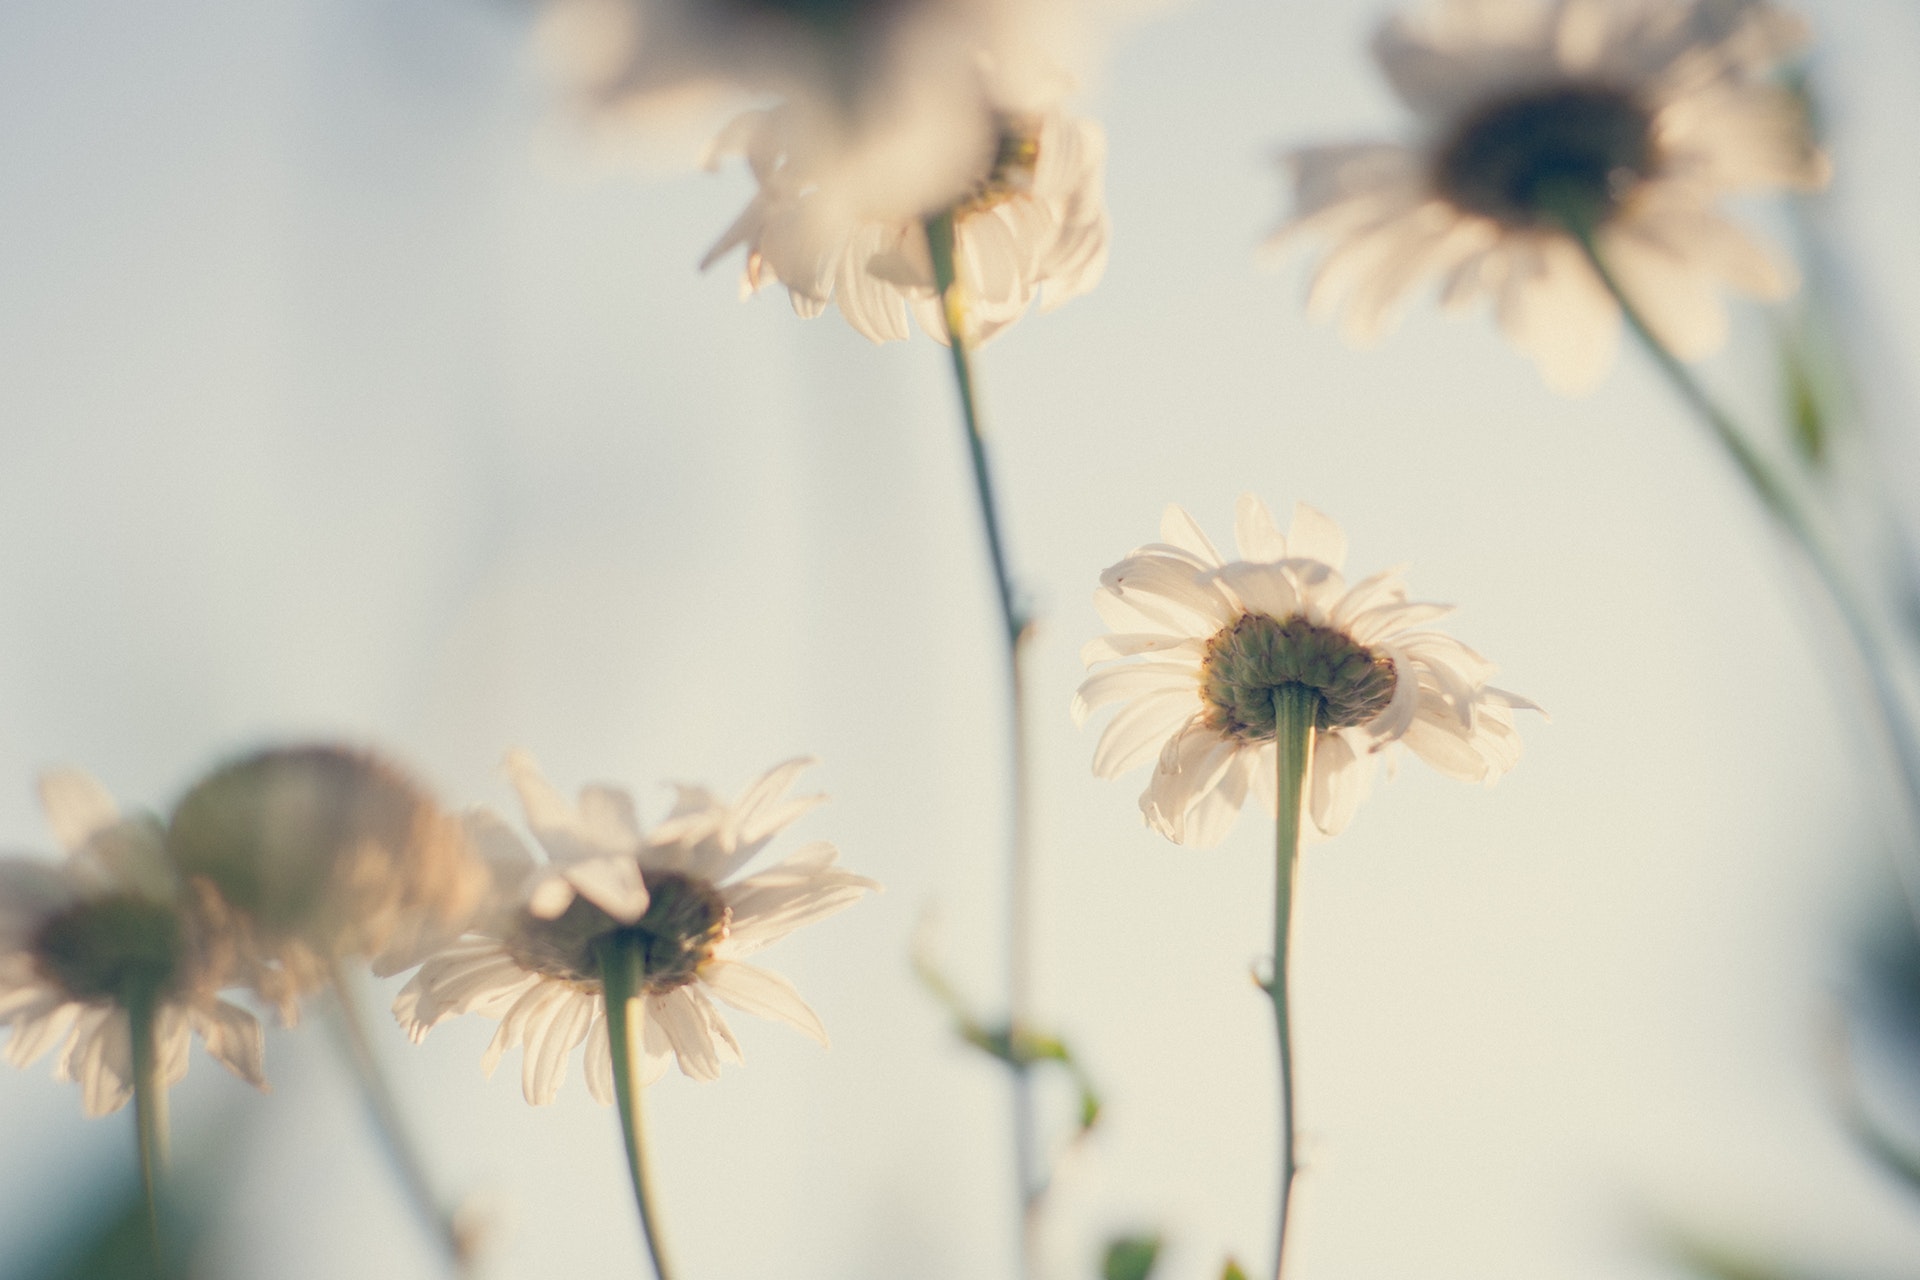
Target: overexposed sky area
point(346, 391)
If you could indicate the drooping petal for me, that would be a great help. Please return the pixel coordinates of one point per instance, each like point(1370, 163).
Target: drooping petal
point(233, 1038)
point(764, 994)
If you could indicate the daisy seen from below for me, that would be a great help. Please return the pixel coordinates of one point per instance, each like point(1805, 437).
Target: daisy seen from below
point(1555, 131)
point(1217, 638)
point(1025, 214)
point(1269, 675)
point(90, 942)
point(535, 960)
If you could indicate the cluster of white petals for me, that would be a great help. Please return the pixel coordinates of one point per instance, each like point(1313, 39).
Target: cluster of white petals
point(72, 932)
point(597, 854)
point(1029, 223)
point(1663, 106)
point(1168, 601)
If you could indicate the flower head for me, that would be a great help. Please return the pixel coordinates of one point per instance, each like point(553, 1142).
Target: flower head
point(1220, 637)
point(903, 81)
point(319, 853)
point(104, 931)
point(1628, 119)
point(1028, 218)
point(533, 959)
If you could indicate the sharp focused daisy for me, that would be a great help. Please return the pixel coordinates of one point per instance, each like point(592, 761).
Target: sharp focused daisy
point(1028, 222)
point(1218, 639)
point(106, 932)
point(1627, 119)
point(316, 854)
point(535, 960)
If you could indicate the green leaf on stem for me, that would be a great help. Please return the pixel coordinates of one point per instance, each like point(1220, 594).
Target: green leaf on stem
point(1018, 1050)
point(1130, 1258)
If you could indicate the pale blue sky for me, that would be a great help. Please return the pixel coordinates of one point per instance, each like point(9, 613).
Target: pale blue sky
point(347, 393)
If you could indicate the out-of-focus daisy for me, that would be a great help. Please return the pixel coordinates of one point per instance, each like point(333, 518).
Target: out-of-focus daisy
point(859, 71)
point(1028, 217)
point(1632, 118)
point(312, 855)
point(1219, 637)
point(84, 940)
point(534, 960)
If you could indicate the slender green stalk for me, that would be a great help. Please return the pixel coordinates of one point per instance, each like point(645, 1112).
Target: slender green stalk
point(623, 972)
point(149, 1108)
point(1295, 707)
point(1778, 501)
point(1029, 1177)
point(350, 1028)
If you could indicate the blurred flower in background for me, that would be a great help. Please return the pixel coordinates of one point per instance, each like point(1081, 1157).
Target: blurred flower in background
point(313, 855)
point(1630, 119)
point(903, 83)
point(84, 941)
point(1028, 222)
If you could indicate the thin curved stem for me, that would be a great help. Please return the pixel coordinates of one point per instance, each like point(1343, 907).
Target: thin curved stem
point(1295, 708)
point(623, 972)
point(1016, 626)
point(1778, 501)
point(149, 1109)
point(350, 1027)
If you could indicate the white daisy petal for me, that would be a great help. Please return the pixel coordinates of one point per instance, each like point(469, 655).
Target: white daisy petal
point(763, 994)
point(1255, 533)
point(234, 1039)
point(598, 1060)
point(77, 807)
point(612, 884)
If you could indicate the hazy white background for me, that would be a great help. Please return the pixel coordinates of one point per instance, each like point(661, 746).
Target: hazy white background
point(345, 391)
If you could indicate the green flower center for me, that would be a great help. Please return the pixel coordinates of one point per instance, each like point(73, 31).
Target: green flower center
point(686, 919)
point(1537, 159)
point(1251, 657)
point(119, 947)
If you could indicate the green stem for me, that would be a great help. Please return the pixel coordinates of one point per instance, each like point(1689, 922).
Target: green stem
point(623, 972)
point(1779, 503)
point(1295, 708)
point(1017, 627)
point(149, 1109)
point(350, 1028)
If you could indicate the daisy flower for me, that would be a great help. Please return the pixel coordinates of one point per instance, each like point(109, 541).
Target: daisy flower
point(858, 70)
point(85, 940)
point(1219, 637)
point(1028, 215)
point(313, 855)
point(533, 960)
point(1629, 118)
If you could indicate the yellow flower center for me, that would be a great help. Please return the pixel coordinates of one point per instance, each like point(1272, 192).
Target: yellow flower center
point(1254, 655)
point(1016, 157)
point(117, 947)
point(685, 920)
point(1540, 158)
